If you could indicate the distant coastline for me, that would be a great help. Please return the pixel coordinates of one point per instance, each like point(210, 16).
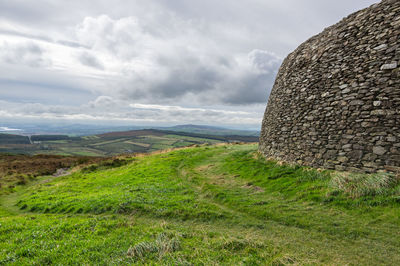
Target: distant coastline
point(6, 129)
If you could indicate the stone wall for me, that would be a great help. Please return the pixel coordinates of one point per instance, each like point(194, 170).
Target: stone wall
point(336, 99)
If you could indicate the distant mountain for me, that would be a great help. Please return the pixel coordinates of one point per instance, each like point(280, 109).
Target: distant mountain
point(190, 126)
point(211, 130)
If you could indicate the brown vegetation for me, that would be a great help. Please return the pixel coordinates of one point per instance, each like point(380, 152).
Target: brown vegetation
point(19, 169)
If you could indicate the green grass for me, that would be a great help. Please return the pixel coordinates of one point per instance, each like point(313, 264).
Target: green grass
point(207, 205)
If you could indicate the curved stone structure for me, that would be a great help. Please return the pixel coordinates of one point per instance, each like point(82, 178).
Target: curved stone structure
point(336, 99)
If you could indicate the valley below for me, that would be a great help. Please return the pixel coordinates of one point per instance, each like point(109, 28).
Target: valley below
point(115, 143)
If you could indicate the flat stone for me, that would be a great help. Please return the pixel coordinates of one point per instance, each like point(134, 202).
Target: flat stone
point(312, 97)
point(339, 168)
point(381, 47)
point(370, 157)
point(378, 112)
point(366, 124)
point(347, 146)
point(377, 103)
point(356, 102)
point(355, 155)
point(390, 66)
point(330, 154)
point(379, 150)
point(391, 139)
point(370, 164)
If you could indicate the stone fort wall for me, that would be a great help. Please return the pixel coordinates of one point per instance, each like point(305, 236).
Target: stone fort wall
point(336, 99)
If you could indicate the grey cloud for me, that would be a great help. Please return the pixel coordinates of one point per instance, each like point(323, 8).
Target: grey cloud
point(42, 38)
point(29, 54)
point(71, 44)
point(249, 90)
point(179, 82)
point(177, 65)
point(89, 60)
point(102, 102)
point(264, 61)
point(25, 35)
point(26, 84)
point(255, 86)
point(215, 80)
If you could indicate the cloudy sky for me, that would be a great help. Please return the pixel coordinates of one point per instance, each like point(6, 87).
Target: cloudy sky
point(151, 61)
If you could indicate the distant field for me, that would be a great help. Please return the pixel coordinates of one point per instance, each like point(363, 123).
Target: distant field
point(108, 144)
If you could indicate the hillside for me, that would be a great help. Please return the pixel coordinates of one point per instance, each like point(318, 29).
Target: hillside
point(208, 205)
point(21, 169)
point(111, 143)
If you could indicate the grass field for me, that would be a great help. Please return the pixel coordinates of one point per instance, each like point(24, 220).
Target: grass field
point(209, 205)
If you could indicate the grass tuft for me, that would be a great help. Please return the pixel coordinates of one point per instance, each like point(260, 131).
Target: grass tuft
point(359, 185)
point(163, 244)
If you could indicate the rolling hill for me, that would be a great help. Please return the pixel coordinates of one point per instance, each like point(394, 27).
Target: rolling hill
point(210, 205)
point(111, 143)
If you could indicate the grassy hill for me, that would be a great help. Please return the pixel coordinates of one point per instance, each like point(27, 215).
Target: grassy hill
point(206, 205)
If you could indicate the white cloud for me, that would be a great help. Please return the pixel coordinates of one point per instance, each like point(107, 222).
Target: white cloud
point(105, 108)
point(25, 53)
point(180, 108)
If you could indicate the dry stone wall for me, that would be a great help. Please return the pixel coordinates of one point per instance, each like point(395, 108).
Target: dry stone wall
point(336, 99)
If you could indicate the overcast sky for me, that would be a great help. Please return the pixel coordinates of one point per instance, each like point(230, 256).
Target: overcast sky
point(151, 61)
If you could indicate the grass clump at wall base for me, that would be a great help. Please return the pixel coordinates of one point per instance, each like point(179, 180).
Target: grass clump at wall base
point(359, 185)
